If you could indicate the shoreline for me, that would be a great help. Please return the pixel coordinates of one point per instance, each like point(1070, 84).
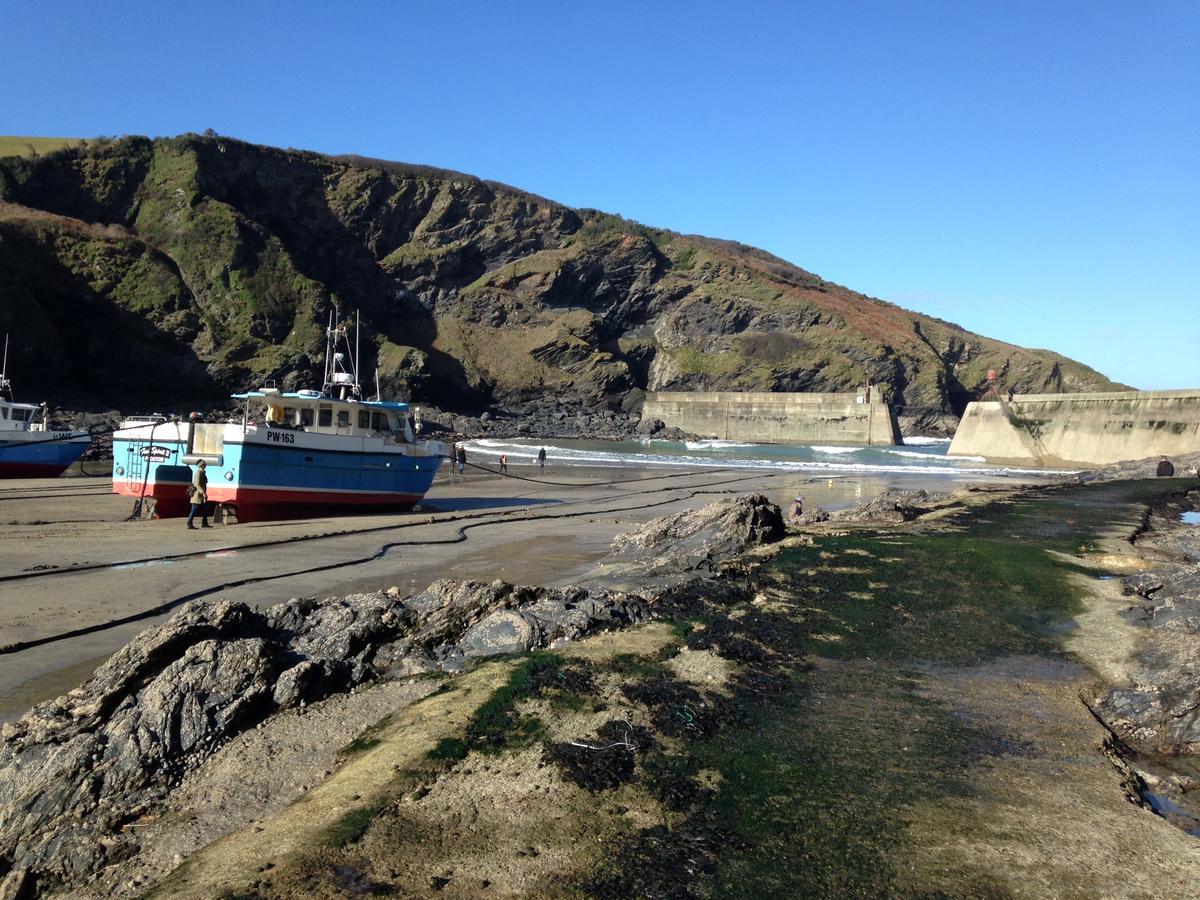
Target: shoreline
point(595, 506)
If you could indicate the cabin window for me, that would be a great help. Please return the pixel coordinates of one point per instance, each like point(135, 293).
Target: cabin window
point(374, 421)
point(364, 419)
point(306, 416)
point(385, 422)
point(4, 412)
point(343, 418)
point(289, 415)
point(325, 416)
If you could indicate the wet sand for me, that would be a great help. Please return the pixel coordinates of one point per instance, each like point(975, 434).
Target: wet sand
point(530, 532)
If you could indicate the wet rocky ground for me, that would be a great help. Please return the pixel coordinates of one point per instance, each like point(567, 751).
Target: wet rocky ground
point(897, 701)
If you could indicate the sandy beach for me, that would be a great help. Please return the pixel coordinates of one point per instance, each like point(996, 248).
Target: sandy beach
point(70, 563)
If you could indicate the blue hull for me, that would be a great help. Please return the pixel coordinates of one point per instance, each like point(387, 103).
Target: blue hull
point(38, 458)
point(264, 482)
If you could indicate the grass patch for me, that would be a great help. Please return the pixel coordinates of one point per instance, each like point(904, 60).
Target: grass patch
point(818, 780)
point(351, 827)
point(681, 628)
point(360, 744)
point(686, 259)
point(449, 750)
point(632, 665)
point(496, 726)
point(813, 790)
point(30, 147)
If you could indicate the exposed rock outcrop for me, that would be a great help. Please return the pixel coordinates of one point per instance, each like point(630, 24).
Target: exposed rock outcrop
point(892, 507)
point(677, 547)
point(1159, 710)
point(75, 770)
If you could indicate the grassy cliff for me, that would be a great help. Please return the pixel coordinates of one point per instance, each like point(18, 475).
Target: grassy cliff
point(176, 269)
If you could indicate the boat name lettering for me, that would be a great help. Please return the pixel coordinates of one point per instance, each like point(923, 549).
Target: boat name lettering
point(281, 437)
point(154, 453)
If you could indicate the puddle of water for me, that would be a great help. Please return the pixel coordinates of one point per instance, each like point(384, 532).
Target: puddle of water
point(1065, 627)
point(1190, 518)
point(1173, 813)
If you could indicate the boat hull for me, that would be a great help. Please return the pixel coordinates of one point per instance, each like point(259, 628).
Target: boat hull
point(44, 458)
point(264, 481)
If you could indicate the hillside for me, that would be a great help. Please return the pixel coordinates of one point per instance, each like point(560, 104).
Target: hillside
point(15, 145)
point(176, 270)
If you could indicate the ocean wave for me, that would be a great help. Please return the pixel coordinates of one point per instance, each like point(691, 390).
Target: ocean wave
point(937, 465)
point(918, 441)
point(932, 457)
point(834, 451)
point(715, 445)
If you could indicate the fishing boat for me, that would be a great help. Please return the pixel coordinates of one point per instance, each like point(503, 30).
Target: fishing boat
point(288, 454)
point(29, 446)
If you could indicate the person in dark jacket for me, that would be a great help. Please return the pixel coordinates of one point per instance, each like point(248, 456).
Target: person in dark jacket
point(1165, 469)
point(462, 460)
point(199, 498)
point(541, 459)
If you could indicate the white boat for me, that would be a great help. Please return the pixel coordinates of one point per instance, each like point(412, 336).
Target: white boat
point(29, 447)
point(289, 454)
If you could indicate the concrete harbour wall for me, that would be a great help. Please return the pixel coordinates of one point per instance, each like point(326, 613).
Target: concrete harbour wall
point(776, 418)
point(1081, 429)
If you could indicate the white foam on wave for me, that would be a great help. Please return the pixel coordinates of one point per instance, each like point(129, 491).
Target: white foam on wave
point(715, 445)
point(948, 466)
point(917, 440)
point(834, 451)
point(933, 457)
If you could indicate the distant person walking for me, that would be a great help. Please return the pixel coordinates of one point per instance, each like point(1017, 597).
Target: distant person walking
point(1165, 469)
point(541, 460)
point(199, 497)
point(504, 463)
point(462, 460)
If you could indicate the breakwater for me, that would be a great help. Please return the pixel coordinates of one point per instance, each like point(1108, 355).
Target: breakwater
point(776, 418)
point(1081, 429)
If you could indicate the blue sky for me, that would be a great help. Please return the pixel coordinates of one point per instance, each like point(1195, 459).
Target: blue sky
point(1028, 170)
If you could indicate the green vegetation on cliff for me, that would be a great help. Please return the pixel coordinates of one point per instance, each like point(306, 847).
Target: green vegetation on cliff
point(186, 267)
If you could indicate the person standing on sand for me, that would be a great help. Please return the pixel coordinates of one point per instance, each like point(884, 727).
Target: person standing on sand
point(504, 463)
point(199, 498)
point(541, 460)
point(462, 460)
point(1165, 469)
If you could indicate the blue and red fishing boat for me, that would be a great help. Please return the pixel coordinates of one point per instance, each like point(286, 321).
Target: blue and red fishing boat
point(29, 446)
point(287, 455)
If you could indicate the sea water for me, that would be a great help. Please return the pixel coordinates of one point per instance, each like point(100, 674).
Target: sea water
point(917, 457)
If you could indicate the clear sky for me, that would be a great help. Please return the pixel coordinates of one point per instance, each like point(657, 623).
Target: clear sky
point(1029, 170)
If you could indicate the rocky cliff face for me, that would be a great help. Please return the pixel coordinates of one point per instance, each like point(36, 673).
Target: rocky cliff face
point(165, 271)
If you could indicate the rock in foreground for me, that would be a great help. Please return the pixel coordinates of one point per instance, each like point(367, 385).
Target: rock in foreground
point(75, 770)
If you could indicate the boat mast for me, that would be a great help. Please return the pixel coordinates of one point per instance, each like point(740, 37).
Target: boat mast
point(5, 385)
point(336, 377)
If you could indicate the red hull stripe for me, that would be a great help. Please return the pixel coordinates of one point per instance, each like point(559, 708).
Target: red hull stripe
point(269, 496)
point(273, 497)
